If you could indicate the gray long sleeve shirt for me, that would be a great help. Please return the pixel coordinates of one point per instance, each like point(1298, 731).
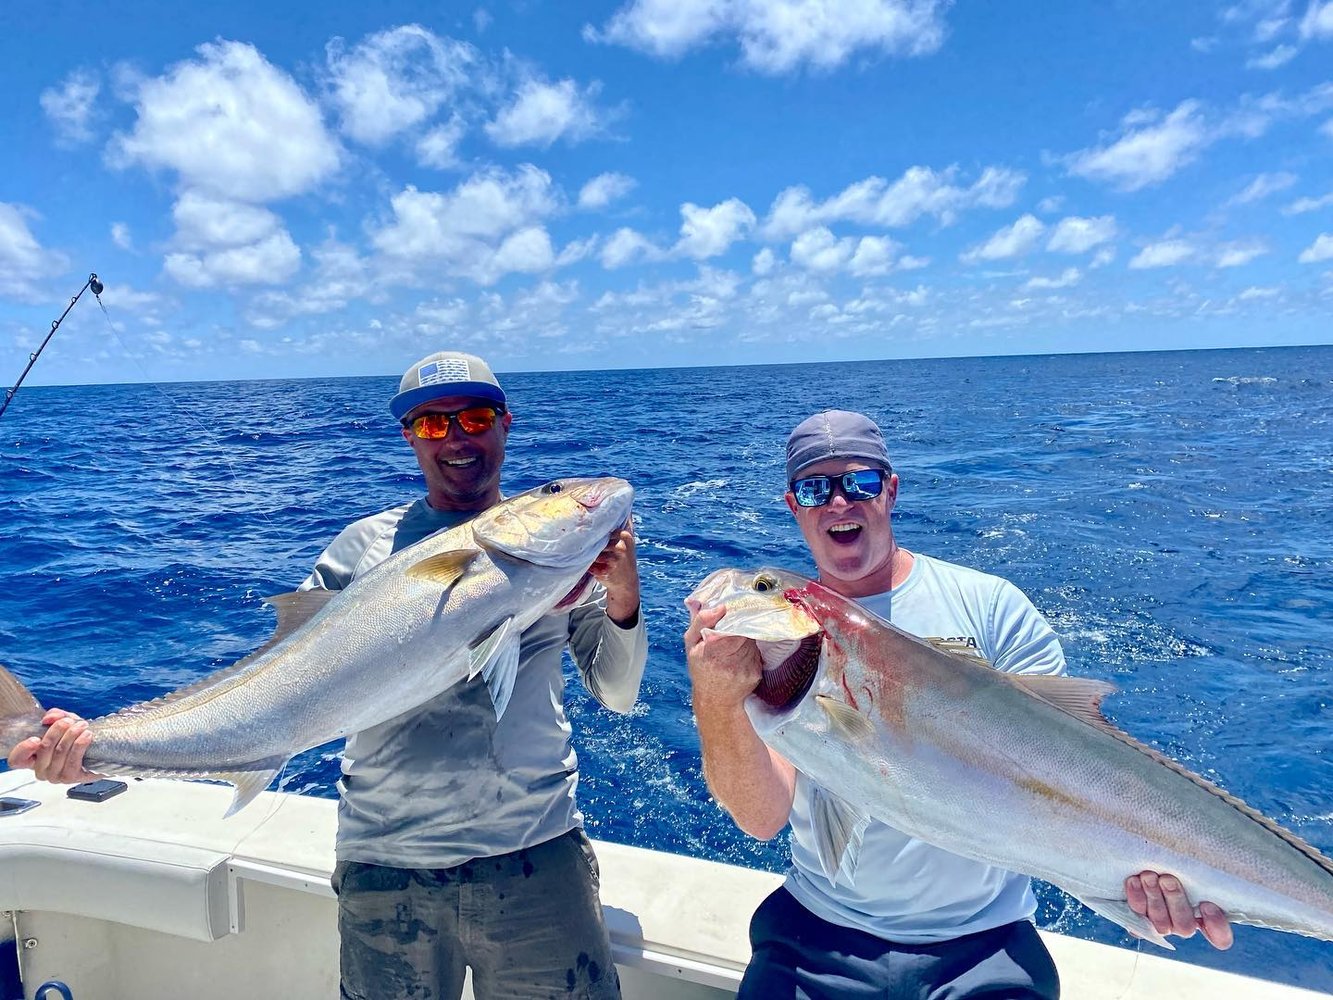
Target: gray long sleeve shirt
point(446, 782)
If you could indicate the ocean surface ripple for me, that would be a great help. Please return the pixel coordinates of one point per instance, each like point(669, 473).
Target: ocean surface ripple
point(1168, 512)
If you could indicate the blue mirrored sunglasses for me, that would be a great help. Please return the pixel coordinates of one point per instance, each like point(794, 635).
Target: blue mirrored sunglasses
point(815, 491)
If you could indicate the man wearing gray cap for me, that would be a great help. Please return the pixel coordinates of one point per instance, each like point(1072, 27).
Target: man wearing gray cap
point(459, 840)
point(915, 920)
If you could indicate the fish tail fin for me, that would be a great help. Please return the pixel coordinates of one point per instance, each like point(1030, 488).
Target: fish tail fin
point(20, 713)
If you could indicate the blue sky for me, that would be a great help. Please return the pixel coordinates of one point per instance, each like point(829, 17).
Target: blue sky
point(280, 190)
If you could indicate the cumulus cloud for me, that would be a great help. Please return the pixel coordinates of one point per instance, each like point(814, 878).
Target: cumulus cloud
point(779, 36)
point(875, 201)
point(1238, 254)
point(438, 148)
point(604, 189)
point(120, 235)
point(1151, 149)
point(1011, 241)
point(541, 113)
point(394, 80)
point(708, 232)
point(1069, 277)
point(23, 261)
point(1075, 235)
point(340, 276)
point(230, 124)
point(220, 243)
point(488, 226)
point(1165, 253)
point(1318, 21)
point(624, 246)
point(70, 106)
point(1321, 249)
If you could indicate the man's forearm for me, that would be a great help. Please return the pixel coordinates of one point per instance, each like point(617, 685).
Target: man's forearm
point(752, 783)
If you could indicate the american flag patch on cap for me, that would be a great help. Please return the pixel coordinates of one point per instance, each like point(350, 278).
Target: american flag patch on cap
point(447, 370)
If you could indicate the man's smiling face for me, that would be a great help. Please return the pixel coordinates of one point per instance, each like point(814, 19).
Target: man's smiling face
point(851, 540)
point(462, 470)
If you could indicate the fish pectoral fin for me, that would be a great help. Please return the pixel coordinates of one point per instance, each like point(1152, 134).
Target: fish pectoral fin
point(249, 783)
point(445, 568)
point(846, 721)
point(496, 658)
point(1118, 912)
point(1081, 697)
point(839, 827)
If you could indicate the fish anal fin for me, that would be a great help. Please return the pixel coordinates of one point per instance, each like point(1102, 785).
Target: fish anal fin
point(294, 609)
point(1118, 912)
point(845, 720)
point(1080, 697)
point(496, 658)
point(838, 828)
point(443, 569)
point(249, 779)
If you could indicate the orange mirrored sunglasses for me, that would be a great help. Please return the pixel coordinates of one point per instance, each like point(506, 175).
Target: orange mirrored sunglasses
point(473, 420)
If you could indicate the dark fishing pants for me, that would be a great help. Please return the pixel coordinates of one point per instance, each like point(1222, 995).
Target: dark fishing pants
point(528, 923)
point(798, 956)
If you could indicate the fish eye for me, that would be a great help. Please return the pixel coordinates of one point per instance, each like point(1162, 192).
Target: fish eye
point(554, 487)
point(763, 583)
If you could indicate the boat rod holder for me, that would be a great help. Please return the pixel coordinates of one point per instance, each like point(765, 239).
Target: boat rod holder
point(92, 283)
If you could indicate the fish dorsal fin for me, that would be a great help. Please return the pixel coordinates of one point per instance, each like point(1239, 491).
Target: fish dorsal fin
point(839, 827)
point(846, 721)
point(444, 568)
point(1081, 698)
point(295, 608)
point(958, 649)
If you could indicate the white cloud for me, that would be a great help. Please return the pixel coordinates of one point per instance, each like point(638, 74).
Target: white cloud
point(1239, 254)
point(1258, 292)
point(1263, 186)
point(438, 148)
point(1320, 249)
point(1011, 241)
point(1051, 204)
point(874, 201)
point(231, 125)
point(624, 246)
point(1318, 20)
point(70, 106)
point(1075, 234)
point(269, 261)
point(1279, 56)
point(1302, 205)
point(541, 113)
point(1102, 257)
point(779, 36)
point(394, 80)
point(340, 276)
point(204, 223)
point(23, 261)
point(120, 235)
point(488, 225)
point(763, 263)
point(604, 189)
point(1165, 253)
point(1067, 279)
point(1150, 151)
point(708, 232)
point(873, 256)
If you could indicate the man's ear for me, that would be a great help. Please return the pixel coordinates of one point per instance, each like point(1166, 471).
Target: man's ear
point(406, 432)
point(506, 420)
point(892, 490)
point(792, 506)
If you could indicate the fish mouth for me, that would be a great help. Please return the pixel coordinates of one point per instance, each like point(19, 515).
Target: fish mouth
point(781, 687)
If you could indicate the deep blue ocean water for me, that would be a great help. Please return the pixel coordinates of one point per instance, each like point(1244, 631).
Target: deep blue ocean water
point(1168, 512)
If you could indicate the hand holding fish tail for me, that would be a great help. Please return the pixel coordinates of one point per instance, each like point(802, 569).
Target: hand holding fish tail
point(56, 755)
point(1163, 900)
point(616, 568)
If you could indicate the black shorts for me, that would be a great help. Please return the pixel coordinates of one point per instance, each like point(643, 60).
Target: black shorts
point(799, 956)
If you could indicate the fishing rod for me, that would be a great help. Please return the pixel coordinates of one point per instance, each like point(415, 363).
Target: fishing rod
point(92, 283)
